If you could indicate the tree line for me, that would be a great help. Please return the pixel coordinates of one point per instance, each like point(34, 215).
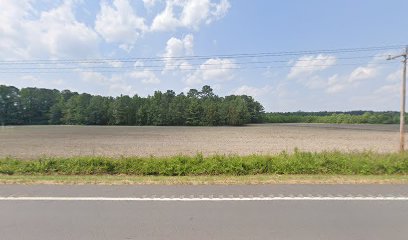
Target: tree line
point(196, 108)
point(352, 117)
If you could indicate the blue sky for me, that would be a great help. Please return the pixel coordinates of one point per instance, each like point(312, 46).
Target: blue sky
point(165, 30)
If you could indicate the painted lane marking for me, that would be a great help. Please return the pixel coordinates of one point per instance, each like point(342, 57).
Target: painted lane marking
point(183, 199)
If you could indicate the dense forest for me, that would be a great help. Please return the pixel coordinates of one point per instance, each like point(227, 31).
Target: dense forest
point(196, 108)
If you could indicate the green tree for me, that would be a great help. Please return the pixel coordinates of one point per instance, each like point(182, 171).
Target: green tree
point(98, 111)
point(193, 114)
point(235, 111)
point(177, 110)
point(123, 111)
point(36, 104)
point(10, 106)
point(75, 111)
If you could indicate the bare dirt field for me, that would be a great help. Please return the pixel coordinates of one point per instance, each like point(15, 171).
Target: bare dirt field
point(33, 141)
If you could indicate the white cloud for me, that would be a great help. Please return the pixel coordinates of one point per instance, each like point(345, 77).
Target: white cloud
point(58, 82)
point(185, 66)
point(56, 33)
point(94, 77)
point(335, 84)
point(121, 88)
point(389, 89)
point(149, 3)
point(178, 48)
point(283, 90)
point(338, 83)
point(165, 21)
point(307, 65)
point(394, 76)
point(362, 73)
point(12, 42)
point(385, 97)
point(218, 69)
point(252, 91)
point(219, 11)
point(119, 23)
point(115, 64)
point(193, 13)
point(115, 84)
point(314, 82)
point(138, 63)
point(28, 80)
point(145, 76)
point(213, 70)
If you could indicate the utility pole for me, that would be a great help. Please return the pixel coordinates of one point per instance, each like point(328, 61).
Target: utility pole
point(403, 93)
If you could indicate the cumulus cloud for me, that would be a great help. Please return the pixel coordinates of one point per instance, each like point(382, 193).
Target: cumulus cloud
point(118, 23)
point(219, 11)
point(335, 84)
point(362, 73)
point(394, 76)
point(27, 32)
point(310, 66)
point(29, 80)
point(389, 89)
point(149, 3)
point(165, 20)
point(115, 64)
point(115, 84)
point(338, 83)
point(252, 91)
point(383, 97)
point(145, 76)
point(307, 65)
point(193, 13)
point(55, 33)
point(314, 82)
point(94, 77)
point(213, 70)
point(175, 48)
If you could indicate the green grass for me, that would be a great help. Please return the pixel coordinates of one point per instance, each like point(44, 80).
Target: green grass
point(297, 163)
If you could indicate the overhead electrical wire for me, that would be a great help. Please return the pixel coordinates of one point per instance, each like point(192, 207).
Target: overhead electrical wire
point(84, 65)
point(237, 55)
point(190, 64)
point(193, 69)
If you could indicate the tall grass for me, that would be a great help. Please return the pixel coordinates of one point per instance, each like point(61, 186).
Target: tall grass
point(357, 163)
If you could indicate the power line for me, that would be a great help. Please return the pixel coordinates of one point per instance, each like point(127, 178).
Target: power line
point(204, 64)
point(190, 69)
point(203, 57)
point(178, 64)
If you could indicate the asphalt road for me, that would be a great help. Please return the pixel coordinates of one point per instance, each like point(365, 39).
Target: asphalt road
point(204, 212)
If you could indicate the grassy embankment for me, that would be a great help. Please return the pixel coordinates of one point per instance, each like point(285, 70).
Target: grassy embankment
point(297, 167)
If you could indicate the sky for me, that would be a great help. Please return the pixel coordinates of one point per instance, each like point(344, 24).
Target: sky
point(293, 55)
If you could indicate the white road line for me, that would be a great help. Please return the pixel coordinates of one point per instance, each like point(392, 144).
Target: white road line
point(207, 199)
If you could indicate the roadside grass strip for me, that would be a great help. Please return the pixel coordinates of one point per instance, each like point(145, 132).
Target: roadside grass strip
point(284, 163)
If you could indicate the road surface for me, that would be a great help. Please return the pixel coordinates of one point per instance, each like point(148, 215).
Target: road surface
point(204, 212)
